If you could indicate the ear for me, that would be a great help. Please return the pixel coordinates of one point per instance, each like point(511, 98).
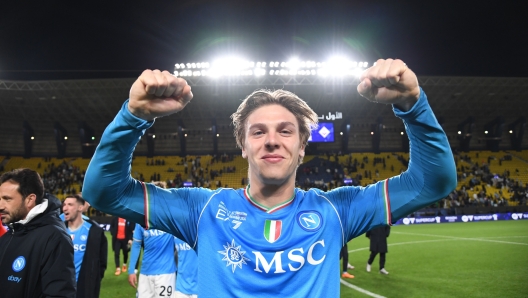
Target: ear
point(302, 152)
point(244, 155)
point(31, 201)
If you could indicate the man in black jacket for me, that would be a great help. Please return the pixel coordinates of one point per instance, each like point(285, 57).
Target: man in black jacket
point(90, 247)
point(36, 254)
point(378, 244)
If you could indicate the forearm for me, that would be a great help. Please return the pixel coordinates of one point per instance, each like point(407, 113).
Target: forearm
point(108, 185)
point(431, 174)
point(134, 256)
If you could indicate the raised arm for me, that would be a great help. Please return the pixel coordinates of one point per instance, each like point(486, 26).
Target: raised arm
point(431, 174)
point(108, 185)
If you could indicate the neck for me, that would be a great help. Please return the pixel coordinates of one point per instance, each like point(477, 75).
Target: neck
point(75, 224)
point(271, 195)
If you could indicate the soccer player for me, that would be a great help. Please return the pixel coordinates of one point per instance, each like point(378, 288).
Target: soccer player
point(187, 277)
point(270, 238)
point(157, 276)
point(90, 247)
point(36, 254)
point(121, 231)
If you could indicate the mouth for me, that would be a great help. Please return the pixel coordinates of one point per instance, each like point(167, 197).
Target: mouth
point(273, 158)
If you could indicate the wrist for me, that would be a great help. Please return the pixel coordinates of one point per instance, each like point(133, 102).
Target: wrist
point(406, 103)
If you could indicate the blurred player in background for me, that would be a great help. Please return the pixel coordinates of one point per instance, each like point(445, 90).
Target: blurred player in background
point(121, 231)
point(157, 275)
point(90, 247)
point(187, 277)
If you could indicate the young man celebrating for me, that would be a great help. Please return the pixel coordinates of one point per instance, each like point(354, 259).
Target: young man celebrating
point(270, 238)
point(90, 247)
point(36, 254)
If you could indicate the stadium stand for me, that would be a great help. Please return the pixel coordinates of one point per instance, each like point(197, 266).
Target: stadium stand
point(34, 108)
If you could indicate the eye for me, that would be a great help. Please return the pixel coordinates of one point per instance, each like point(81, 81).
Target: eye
point(257, 132)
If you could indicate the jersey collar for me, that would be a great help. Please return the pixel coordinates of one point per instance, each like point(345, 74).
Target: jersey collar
point(264, 208)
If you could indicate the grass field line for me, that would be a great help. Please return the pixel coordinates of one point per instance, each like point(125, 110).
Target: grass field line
point(496, 237)
point(403, 243)
point(463, 238)
point(361, 289)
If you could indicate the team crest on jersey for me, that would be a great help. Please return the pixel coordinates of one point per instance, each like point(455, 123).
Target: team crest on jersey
point(272, 230)
point(233, 255)
point(310, 221)
point(83, 237)
point(19, 264)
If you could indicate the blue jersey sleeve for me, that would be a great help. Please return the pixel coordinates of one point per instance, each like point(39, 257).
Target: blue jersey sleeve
point(431, 176)
point(137, 239)
point(109, 187)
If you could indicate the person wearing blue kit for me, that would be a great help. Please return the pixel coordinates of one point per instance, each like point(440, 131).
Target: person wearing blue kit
point(270, 238)
point(187, 277)
point(90, 247)
point(157, 276)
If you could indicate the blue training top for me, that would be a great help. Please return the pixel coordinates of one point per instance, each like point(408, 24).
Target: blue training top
point(158, 252)
point(292, 250)
point(187, 280)
point(80, 239)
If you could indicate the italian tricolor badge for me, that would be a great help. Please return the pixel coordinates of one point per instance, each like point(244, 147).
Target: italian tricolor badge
point(272, 230)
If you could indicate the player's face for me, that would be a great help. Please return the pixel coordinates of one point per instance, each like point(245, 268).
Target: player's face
point(272, 145)
point(12, 206)
point(71, 209)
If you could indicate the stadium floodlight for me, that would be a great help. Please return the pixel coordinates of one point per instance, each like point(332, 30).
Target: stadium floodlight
point(459, 132)
point(486, 132)
point(511, 131)
point(236, 66)
point(293, 64)
point(259, 72)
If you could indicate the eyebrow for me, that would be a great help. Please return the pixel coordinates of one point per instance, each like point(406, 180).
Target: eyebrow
point(281, 124)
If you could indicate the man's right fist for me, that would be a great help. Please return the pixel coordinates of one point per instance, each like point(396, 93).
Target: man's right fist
point(156, 94)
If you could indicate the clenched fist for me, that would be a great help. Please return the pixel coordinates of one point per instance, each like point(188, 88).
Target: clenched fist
point(158, 93)
point(391, 82)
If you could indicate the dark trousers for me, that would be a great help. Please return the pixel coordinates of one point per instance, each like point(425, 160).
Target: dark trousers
point(344, 255)
point(118, 246)
point(382, 259)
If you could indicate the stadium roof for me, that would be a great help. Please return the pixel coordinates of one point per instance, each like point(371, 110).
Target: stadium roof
point(96, 102)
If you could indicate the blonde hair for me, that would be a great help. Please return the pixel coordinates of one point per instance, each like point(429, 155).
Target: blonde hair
point(305, 116)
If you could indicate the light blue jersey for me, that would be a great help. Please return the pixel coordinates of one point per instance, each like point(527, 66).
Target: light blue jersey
point(187, 278)
point(291, 250)
point(80, 239)
point(158, 252)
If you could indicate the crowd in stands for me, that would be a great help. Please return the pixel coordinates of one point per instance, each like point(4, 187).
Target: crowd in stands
point(478, 187)
point(60, 179)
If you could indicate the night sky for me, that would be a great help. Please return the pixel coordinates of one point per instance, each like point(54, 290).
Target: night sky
point(113, 39)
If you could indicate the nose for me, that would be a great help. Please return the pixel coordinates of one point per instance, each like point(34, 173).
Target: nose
point(271, 141)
